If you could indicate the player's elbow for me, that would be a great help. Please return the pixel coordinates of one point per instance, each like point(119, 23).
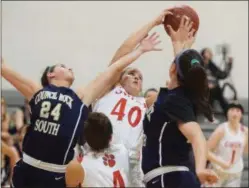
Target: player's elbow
point(199, 140)
point(74, 174)
point(191, 131)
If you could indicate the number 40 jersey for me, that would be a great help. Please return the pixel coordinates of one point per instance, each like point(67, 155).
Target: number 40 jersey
point(126, 113)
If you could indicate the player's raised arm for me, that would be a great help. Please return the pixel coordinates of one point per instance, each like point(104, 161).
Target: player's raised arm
point(106, 80)
point(136, 37)
point(181, 39)
point(213, 142)
point(184, 37)
point(26, 86)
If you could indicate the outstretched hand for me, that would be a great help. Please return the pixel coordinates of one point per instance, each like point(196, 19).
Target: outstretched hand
point(190, 40)
point(150, 43)
point(182, 34)
point(184, 37)
point(160, 18)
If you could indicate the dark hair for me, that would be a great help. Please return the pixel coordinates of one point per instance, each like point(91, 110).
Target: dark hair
point(192, 76)
point(235, 104)
point(98, 131)
point(148, 90)
point(44, 78)
point(202, 52)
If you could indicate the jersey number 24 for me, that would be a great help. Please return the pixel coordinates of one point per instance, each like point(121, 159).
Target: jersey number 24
point(119, 110)
point(46, 108)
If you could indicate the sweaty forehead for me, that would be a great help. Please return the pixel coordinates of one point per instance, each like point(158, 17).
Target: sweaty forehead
point(60, 65)
point(134, 70)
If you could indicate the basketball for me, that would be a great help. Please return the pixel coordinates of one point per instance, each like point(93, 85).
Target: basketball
point(178, 12)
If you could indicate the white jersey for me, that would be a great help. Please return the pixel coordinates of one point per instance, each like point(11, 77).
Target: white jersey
point(126, 114)
point(107, 169)
point(231, 148)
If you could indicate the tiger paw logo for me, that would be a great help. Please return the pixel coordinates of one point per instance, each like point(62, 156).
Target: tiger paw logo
point(109, 160)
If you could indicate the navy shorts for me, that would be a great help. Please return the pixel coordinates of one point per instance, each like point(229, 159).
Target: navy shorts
point(26, 176)
point(179, 179)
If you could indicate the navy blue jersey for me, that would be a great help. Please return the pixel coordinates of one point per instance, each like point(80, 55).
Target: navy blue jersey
point(57, 118)
point(165, 145)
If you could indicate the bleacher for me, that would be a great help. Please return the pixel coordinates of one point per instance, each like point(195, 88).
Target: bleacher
point(15, 99)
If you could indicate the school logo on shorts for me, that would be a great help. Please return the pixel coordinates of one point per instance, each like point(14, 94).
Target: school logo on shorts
point(109, 160)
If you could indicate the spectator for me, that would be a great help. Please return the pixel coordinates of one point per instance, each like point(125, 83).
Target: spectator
point(150, 96)
point(9, 158)
point(214, 75)
point(4, 116)
point(20, 137)
point(16, 121)
point(5, 119)
point(26, 112)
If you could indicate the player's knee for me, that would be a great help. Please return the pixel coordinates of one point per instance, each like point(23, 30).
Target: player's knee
point(74, 174)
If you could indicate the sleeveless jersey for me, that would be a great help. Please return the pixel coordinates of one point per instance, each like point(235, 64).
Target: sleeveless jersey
point(126, 114)
point(107, 169)
point(164, 143)
point(57, 117)
point(230, 149)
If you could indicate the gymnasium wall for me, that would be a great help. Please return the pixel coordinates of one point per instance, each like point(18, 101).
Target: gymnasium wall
point(85, 35)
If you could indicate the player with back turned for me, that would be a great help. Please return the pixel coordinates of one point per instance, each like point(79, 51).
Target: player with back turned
point(105, 163)
point(57, 117)
point(170, 125)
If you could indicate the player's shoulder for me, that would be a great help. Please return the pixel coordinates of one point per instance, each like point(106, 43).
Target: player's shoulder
point(244, 129)
point(175, 96)
point(221, 128)
point(118, 89)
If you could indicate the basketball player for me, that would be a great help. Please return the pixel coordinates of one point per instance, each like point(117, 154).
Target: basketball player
point(228, 142)
point(170, 124)
point(104, 164)
point(123, 105)
point(57, 116)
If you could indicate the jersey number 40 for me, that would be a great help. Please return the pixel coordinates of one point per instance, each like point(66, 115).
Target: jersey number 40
point(119, 110)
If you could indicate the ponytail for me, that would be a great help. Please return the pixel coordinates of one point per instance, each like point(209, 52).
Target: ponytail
point(44, 78)
point(192, 76)
point(196, 86)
